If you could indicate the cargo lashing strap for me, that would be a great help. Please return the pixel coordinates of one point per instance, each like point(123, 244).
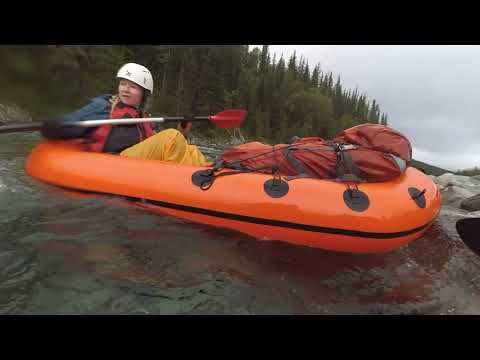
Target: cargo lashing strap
point(275, 187)
point(347, 171)
point(302, 172)
point(205, 178)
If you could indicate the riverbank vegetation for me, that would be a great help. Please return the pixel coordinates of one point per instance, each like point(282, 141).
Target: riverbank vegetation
point(284, 97)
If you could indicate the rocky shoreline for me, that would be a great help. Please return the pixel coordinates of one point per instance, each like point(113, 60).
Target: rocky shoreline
point(458, 191)
point(11, 114)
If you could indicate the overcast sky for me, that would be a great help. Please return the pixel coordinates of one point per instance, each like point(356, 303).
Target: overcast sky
point(431, 93)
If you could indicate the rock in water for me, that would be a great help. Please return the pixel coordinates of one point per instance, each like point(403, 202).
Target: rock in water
point(11, 113)
point(457, 188)
point(471, 203)
point(454, 195)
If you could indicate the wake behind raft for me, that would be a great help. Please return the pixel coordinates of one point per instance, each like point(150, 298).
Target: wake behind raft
point(354, 194)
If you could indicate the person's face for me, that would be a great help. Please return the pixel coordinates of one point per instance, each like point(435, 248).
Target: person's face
point(130, 93)
point(185, 130)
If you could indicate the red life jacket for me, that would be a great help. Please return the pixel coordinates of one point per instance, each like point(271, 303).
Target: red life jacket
point(97, 139)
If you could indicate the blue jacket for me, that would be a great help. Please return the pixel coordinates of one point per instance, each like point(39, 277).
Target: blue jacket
point(98, 109)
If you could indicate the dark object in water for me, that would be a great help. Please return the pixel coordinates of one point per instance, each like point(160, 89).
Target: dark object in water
point(469, 231)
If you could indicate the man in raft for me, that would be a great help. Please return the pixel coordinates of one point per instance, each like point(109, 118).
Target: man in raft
point(138, 140)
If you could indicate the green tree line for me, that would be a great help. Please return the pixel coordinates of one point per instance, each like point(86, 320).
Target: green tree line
point(284, 97)
point(469, 172)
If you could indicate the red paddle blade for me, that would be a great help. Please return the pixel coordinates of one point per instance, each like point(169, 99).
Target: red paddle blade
point(229, 118)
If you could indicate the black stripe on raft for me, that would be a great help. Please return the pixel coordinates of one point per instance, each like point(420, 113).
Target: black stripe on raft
point(260, 221)
point(285, 224)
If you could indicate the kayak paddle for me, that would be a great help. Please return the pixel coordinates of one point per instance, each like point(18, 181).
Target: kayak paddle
point(226, 119)
point(469, 231)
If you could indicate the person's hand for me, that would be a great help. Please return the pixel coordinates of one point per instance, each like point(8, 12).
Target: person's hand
point(54, 129)
point(51, 129)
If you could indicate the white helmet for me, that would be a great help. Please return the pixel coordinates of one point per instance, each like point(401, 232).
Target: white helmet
point(138, 74)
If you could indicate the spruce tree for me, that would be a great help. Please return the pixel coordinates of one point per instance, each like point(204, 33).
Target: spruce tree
point(283, 97)
point(315, 76)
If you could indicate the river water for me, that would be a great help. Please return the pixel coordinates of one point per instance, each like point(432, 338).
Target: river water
point(68, 253)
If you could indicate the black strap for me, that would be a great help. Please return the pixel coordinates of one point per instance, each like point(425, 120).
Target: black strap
point(347, 170)
point(294, 162)
point(211, 179)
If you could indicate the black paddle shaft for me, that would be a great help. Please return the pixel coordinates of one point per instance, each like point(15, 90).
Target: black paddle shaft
point(20, 128)
point(37, 126)
point(225, 119)
point(182, 118)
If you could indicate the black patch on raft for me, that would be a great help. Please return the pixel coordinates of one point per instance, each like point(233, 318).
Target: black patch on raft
point(276, 188)
point(418, 196)
point(356, 200)
point(202, 178)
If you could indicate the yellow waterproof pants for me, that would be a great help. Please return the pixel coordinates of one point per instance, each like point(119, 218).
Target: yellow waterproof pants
point(167, 145)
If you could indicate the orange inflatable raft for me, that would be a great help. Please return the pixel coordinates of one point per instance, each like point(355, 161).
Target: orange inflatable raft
point(378, 217)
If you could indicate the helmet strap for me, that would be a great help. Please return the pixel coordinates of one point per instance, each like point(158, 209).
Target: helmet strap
point(145, 96)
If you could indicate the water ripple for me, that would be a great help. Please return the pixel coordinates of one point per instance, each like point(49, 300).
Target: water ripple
point(64, 253)
point(18, 270)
